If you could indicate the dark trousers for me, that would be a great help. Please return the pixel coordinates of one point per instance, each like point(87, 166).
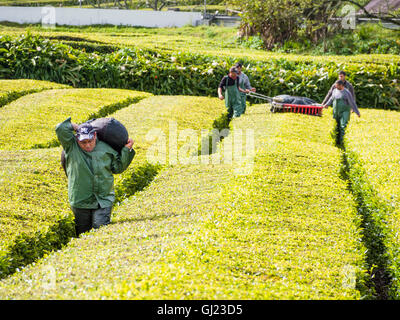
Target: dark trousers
point(86, 219)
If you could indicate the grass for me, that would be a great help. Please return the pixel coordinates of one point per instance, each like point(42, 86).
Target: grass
point(29, 121)
point(372, 145)
point(286, 230)
point(13, 89)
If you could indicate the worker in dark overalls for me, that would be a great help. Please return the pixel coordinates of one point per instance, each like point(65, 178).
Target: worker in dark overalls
point(347, 85)
point(244, 83)
point(233, 100)
point(343, 104)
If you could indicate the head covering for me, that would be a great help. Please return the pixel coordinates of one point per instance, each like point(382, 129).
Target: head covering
point(234, 70)
point(238, 65)
point(85, 132)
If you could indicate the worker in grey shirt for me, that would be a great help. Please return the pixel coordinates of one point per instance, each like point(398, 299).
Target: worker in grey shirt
point(347, 85)
point(343, 102)
point(244, 83)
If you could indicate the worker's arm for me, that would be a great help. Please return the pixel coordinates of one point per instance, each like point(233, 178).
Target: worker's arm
point(328, 103)
point(329, 95)
point(239, 88)
point(122, 161)
point(220, 87)
point(351, 89)
point(220, 95)
point(247, 84)
point(65, 134)
point(244, 91)
point(352, 103)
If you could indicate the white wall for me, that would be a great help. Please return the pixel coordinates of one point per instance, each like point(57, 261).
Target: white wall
point(81, 17)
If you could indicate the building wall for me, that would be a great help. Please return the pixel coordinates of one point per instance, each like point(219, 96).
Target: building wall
point(82, 17)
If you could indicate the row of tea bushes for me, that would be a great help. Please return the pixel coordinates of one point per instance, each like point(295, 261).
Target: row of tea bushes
point(185, 73)
point(29, 121)
point(35, 213)
point(13, 89)
point(372, 151)
point(288, 229)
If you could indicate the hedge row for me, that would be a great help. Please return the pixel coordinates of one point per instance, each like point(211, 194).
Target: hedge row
point(163, 114)
point(29, 121)
point(190, 74)
point(372, 145)
point(13, 89)
point(35, 213)
point(286, 230)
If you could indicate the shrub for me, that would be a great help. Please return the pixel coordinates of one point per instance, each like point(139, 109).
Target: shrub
point(372, 145)
point(30, 121)
point(35, 216)
point(185, 73)
point(288, 230)
point(13, 89)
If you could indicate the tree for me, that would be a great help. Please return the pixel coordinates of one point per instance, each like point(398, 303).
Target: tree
point(277, 21)
point(125, 4)
point(156, 4)
point(391, 16)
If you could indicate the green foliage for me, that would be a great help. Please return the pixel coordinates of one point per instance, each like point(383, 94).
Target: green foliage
point(252, 42)
point(13, 89)
point(195, 74)
point(197, 113)
point(30, 121)
point(371, 149)
point(285, 20)
point(287, 230)
point(35, 217)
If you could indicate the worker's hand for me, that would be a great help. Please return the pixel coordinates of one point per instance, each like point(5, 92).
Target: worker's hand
point(75, 126)
point(253, 89)
point(221, 97)
point(129, 144)
point(247, 90)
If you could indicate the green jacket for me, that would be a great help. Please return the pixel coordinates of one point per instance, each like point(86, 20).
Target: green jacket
point(90, 174)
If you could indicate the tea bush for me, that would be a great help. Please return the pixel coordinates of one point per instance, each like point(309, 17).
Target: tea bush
point(287, 230)
point(13, 89)
point(29, 121)
point(35, 216)
point(187, 73)
point(163, 113)
point(372, 145)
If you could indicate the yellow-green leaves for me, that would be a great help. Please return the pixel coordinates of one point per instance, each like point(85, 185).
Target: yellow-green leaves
point(30, 120)
point(13, 89)
point(372, 147)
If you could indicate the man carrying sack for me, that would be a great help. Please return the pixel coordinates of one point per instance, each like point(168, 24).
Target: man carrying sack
point(90, 165)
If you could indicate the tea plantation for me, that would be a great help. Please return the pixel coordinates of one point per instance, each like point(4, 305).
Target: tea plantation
point(298, 218)
point(204, 232)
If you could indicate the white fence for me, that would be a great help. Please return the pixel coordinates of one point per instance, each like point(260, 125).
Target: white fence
point(82, 17)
